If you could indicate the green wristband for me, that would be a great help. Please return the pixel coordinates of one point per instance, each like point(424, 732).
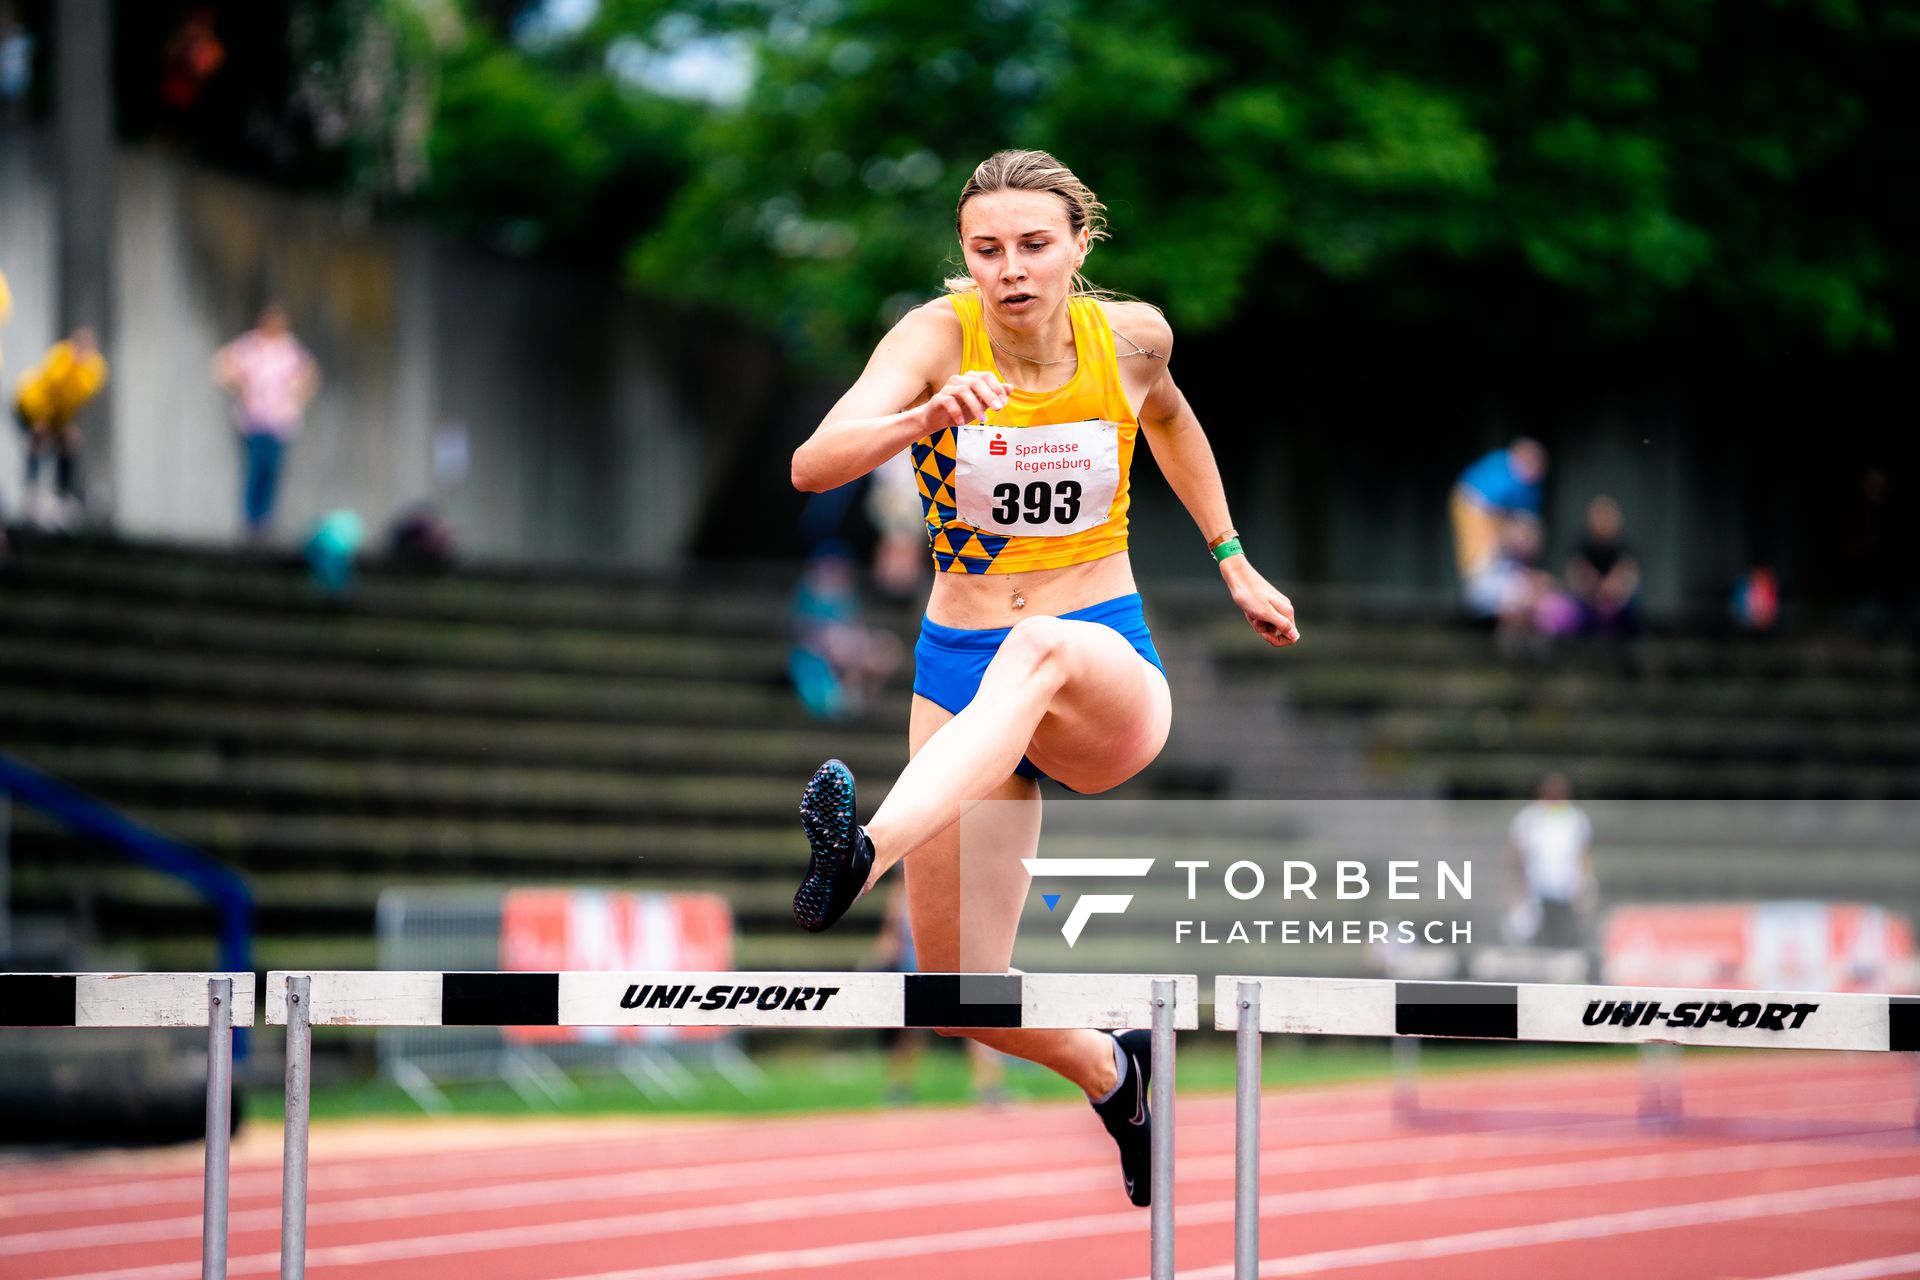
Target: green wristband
point(1228, 549)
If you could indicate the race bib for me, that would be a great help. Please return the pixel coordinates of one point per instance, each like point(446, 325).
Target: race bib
point(1042, 482)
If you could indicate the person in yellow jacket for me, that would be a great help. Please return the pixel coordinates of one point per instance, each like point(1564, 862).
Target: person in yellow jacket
point(47, 404)
point(6, 309)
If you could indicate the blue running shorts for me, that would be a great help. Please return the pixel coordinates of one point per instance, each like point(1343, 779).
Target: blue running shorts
point(948, 662)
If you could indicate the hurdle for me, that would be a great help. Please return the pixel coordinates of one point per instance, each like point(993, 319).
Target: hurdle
point(300, 1000)
point(1253, 1007)
point(207, 1000)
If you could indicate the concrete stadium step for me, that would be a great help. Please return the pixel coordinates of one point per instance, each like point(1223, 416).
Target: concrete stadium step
point(32, 721)
point(414, 846)
point(131, 670)
point(290, 892)
point(829, 951)
point(1453, 644)
point(503, 849)
point(722, 599)
point(1776, 738)
point(172, 780)
point(296, 901)
point(333, 635)
point(1490, 775)
point(1373, 688)
point(1844, 827)
point(835, 950)
point(1740, 872)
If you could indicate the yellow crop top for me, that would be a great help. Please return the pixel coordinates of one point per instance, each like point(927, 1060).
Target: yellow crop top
point(1093, 393)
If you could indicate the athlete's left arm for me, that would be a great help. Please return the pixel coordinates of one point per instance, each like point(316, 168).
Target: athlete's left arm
point(1180, 448)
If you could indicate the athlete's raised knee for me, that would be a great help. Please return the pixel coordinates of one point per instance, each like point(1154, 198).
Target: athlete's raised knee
point(1034, 643)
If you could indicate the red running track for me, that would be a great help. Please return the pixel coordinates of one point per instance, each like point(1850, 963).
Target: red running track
point(1540, 1173)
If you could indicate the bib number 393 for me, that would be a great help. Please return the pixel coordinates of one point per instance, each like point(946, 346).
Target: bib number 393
point(1036, 481)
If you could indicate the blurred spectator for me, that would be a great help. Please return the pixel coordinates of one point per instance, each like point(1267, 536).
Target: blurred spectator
point(271, 378)
point(892, 952)
point(452, 453)
point(1550, 842)
point(900, 561)
point(837, 664)
point(6, 310)
point(421, 540)
point(332, 549)
point(1877, 545)
point(1524, 602)
point(1604, 575)
point(1756, 600)
point(191, 58)
point(1494, 491)
point(47, 404)
point(16, 66)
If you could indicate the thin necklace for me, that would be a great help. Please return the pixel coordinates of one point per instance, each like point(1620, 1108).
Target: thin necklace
point(1028, 359)
point(1138, 350)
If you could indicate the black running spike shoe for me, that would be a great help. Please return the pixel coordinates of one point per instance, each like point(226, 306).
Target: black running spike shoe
point(1127, 1119)
point(842, 854)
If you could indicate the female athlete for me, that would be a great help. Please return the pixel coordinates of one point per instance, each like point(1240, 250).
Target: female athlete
point(1020, 395)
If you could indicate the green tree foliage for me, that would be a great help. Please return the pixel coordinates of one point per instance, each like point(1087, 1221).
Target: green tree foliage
point(323, 94)
point(1640, 166)
point(430, 104)
point(1534, 170)
point(537, 154)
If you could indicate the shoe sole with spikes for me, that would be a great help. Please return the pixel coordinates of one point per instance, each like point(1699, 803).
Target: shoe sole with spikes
point(841, 857)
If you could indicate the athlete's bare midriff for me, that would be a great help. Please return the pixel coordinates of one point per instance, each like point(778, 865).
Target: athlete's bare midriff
point(976, 601)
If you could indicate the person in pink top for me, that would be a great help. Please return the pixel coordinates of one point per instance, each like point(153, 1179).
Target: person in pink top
point(271, 378)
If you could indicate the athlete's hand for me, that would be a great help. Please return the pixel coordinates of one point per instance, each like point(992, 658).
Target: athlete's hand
point(966, 398)
point(1269, 612)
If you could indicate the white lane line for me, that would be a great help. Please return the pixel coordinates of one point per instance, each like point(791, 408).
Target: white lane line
point(332, 1177)
point(388, 1168)
point(843, 1255)
point(337, 1180)
point(1326, 1105)
point(588, 1149)
point(1865, 1269)
point(1396, 1151)
point(1759, 1156)
point(1630, 1222)
point(1337, 1130)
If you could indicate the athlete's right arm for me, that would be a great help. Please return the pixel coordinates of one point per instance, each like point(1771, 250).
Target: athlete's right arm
point(896, 402)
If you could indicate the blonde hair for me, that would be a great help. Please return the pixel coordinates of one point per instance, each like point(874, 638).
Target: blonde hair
point(1035, 171)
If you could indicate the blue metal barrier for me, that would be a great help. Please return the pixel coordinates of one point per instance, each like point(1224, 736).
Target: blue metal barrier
point(223, 888)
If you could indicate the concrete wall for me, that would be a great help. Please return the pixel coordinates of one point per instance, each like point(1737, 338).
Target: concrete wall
point(591, 417)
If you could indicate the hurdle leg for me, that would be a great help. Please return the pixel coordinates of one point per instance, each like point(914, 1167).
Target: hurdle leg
point(1406, 1077)
point(213, 1228)
point(1660, 1096)
point(1246, 1136)
point(293, 1160)
point(1161, 1175)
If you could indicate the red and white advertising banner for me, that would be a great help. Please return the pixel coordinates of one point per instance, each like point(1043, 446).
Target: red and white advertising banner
point(1762, 946)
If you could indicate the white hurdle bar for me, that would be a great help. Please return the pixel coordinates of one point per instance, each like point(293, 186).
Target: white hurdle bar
point(301, 1000)
point(1252, 1007)
point(217, 1001)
